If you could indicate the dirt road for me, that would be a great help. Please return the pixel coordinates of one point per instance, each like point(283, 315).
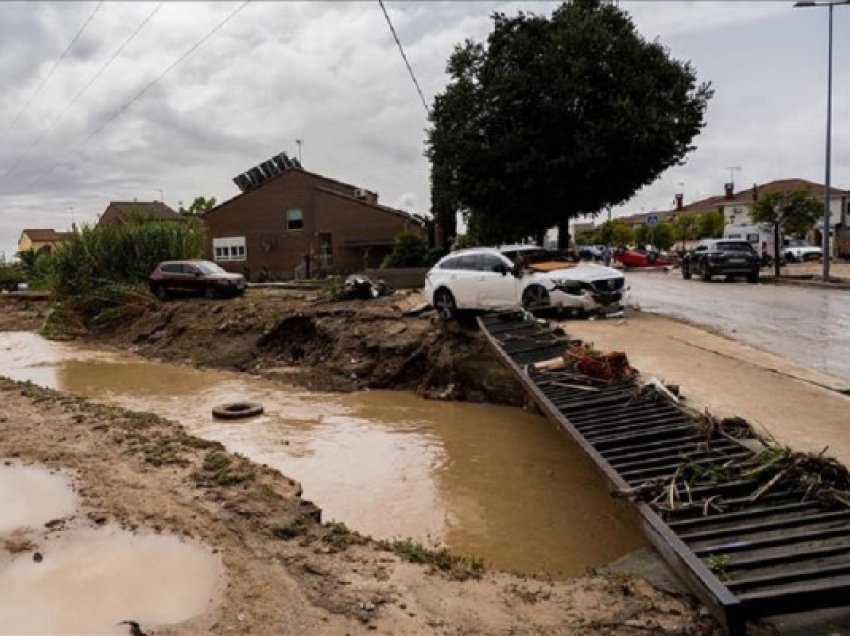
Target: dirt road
point(800, 407)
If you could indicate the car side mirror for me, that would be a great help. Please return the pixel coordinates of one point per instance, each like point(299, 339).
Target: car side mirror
point(197, 274)
point(501, 268)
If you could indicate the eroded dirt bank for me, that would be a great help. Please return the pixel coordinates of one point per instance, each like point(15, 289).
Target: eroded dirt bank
point(285, 573)
point(323, 346)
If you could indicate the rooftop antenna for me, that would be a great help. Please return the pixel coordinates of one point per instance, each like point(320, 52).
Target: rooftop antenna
point(161, 195)
point(732, 170)
point(299, 143)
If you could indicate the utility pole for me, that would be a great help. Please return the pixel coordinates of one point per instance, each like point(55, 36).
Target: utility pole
point(807, 4)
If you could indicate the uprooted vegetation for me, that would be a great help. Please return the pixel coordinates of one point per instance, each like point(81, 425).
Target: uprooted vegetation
point(770, 467)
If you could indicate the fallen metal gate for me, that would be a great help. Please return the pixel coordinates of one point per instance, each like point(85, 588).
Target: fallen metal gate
point(774, 554)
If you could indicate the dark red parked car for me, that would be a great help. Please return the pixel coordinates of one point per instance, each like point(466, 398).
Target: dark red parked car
point(194, 277)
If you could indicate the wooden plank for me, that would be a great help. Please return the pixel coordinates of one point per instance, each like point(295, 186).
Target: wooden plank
point(760, 544)
point(787, 556)
point(789, 576)
point(739, 515)
point(795, 520)
point(799, 597)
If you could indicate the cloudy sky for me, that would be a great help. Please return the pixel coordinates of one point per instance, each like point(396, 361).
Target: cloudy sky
point(330, 74)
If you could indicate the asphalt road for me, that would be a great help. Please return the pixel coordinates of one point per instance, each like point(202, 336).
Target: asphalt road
point(808, 326)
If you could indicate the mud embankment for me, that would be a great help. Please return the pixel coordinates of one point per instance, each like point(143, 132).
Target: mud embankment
point(322, 346)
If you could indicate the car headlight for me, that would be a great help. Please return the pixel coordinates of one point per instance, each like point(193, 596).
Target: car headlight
point(568, 286)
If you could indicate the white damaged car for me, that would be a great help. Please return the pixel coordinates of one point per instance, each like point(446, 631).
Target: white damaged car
point(513, 276)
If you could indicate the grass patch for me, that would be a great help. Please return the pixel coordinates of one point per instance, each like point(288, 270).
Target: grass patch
point(220, 469)
point(457, 567)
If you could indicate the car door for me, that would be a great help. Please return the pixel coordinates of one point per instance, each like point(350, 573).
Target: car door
point(458, 275)
point(696, 260)
point(495, 289)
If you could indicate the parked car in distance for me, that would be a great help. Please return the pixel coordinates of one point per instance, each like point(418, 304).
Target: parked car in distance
point(171, 278)
point(722, 257)
point(799, 250)
point(513, 276)
point(591, 252)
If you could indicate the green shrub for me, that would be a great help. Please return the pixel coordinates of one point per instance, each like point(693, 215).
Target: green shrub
point(10, 275)
point(410, 251)
point(123, 254)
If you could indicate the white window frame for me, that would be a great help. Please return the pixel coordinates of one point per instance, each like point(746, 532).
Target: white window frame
point(288, 220)
point(229, 248)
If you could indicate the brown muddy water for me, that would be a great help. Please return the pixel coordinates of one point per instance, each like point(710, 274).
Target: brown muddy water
point(491, 481)
point(88, 580)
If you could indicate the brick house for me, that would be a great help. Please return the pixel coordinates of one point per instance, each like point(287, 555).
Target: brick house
point(118, 212)
point(298, 223)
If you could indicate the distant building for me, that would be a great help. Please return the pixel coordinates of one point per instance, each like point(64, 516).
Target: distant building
point(735, 207)
point(291, 222)
point(119, 212)
point(38, 240)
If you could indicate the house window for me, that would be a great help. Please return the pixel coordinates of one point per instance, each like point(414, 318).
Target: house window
point(229, 248)
point(294, 219)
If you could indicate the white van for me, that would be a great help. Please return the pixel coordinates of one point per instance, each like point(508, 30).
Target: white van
point(760, 236)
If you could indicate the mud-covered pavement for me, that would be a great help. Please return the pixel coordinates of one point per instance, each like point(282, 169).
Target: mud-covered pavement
point(806, 325)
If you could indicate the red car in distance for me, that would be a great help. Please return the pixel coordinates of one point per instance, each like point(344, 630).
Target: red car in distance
point(171, 278)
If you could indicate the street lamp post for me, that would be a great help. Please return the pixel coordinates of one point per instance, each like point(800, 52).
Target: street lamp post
point(827, 194)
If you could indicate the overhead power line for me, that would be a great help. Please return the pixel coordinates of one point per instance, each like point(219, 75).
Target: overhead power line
point(141, 92)
point(52, 70)
point(404, 57)
point(47, 129)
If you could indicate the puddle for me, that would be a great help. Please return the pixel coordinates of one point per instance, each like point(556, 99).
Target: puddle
point(31, 496)
point(91, 580)
point(493, 481)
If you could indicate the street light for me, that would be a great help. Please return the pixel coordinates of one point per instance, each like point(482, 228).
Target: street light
point(808, 4)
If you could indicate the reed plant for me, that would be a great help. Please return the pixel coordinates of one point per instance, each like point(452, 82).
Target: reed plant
point(102, 272)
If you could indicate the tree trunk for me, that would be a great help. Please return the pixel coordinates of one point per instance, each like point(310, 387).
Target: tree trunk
point(564, 235)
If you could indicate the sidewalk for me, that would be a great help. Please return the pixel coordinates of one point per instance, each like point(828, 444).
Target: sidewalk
point(799, 407)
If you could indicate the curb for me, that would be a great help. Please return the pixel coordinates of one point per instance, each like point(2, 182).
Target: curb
point(842, 285)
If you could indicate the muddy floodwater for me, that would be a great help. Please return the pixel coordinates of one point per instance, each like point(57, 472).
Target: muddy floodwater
point(84, 580)
point(493, 481)
point(31, 496)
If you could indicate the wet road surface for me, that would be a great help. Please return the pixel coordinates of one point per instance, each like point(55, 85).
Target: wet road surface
point(808, 326)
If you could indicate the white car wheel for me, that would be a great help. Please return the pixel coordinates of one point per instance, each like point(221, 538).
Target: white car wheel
point(444, 303)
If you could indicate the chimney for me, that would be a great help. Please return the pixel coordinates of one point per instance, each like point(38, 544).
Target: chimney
point(755, 192)
point(680, 199)
point(729, 191)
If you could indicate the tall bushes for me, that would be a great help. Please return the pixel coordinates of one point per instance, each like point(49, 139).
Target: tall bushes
point(123, 254)
point(101, 272)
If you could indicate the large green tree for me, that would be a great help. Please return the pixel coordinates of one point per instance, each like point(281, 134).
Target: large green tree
point(554, 117)
point(711, 224)
point(198, 206)
point(792, 213)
